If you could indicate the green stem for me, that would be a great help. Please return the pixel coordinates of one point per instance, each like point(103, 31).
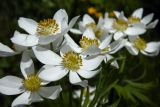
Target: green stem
point(81, 96)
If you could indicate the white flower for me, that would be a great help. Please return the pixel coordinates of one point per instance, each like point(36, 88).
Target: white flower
point(89, 23)
point(90, 45)
point(136, 19)
point(68, 62)
point(31, 87)
point(44, 32)
point(121, 28)
point(137, 44)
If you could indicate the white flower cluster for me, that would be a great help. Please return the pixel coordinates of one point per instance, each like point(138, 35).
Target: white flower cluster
point(49, 41)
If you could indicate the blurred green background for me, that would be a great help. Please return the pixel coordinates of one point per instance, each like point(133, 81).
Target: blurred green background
point(11, 10)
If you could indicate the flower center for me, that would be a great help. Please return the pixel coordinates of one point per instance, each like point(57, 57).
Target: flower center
point(32, 83)
point(133, 20)
point(120, 25)
point(86, 42)
point(91, 25)
point(47, 27)
point(72, 61)
point(140, 43)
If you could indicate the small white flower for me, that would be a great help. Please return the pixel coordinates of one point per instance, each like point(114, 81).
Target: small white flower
point(121, 28)
point(31, 87)
point(89, 23)
point(68, 62)
point(45, 31)
point(137, 44)
point(136, 19)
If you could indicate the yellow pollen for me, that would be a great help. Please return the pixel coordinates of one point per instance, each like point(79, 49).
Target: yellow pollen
point(120, 25)
point(32, 83)
point(72, 61)
point(47, 27)
point(91, 25)
point(140, 43)
point(86, 42)
point(133, 20)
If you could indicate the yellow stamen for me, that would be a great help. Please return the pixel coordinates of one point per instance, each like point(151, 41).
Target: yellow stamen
point(32, 83)
point(133, 20)
point(140, 43)
point(86, 42)
point(47, 27)
point(72, 61)
point(120, 25)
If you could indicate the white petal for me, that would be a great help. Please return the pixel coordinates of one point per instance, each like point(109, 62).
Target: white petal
point(100, 22)
point(46, 56)
point(92, 50)
point(26, 65)
point(19, 48)
point(65, 48)
point(114, 63)
point(117, 13)
point(153, 24)
point(147, 19)
point(6, 51)
point(57, 43)
point(134, 31)
point(92, 63)
point(75, 79)
point(89, 34)
point(122, 17)
point(108, 23)
point(140, 25)
point(132, 50)
point(35, 97)
point(118, 35)
point(50, 92)
point(23, 99)
point(24, 39)
point(87, 19)
point(52, 73)
point(72, 22)
point(11, 85)
point(87, 74)
point(28, 25)
point(72, 44)
point(116, 45)
point(152, 48)
point(138, 13)
point(61, 15)
point(106, 42)
point(44, 40)
point(75, 31)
